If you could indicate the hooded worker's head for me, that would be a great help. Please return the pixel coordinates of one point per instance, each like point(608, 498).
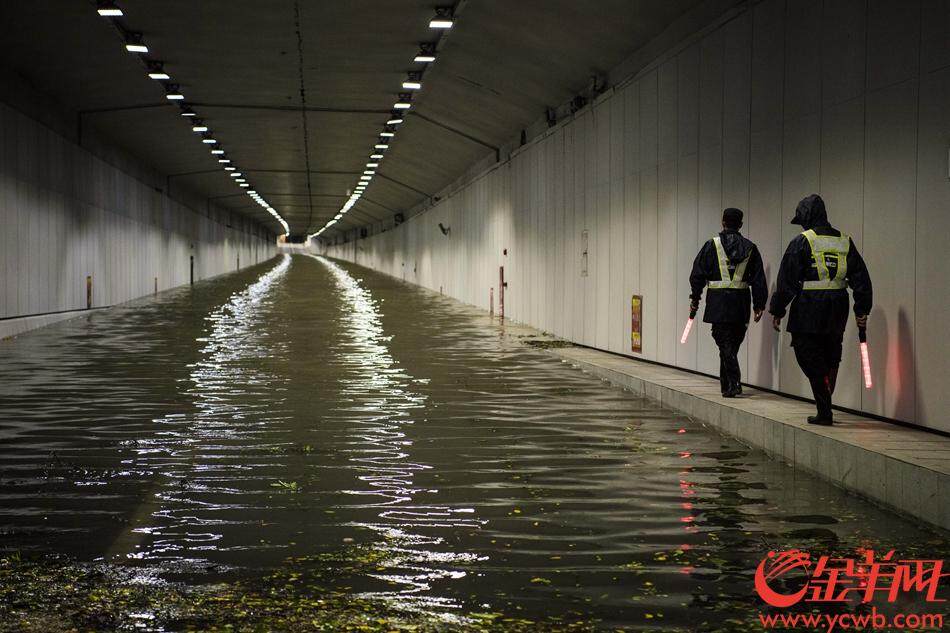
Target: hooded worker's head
point(811, 212)
point(732, 218)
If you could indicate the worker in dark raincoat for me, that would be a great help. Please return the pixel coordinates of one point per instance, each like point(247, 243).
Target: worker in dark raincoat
point(819, 266)
point(729, 265)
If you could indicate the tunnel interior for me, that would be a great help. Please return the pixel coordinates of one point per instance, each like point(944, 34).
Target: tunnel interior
point(370, 315)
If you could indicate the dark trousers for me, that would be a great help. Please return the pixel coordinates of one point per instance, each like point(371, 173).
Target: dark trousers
point(729, 337)
point(819, 356)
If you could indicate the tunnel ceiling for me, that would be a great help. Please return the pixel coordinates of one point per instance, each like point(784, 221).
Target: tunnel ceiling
point(238, 63)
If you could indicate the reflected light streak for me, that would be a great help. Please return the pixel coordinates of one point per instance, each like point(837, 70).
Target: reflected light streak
point(386, 404)
point(189, 451)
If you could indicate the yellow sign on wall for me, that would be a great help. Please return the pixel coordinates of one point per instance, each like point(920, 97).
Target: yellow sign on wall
point(636, 322)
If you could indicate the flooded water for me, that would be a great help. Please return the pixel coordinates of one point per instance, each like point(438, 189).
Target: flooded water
point(308, 444)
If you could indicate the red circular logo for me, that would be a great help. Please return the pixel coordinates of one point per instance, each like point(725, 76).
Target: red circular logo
point(777, 564)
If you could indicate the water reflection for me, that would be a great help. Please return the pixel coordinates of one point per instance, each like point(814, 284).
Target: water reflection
point(381, 404)
point(199, 454)
point(307, 432)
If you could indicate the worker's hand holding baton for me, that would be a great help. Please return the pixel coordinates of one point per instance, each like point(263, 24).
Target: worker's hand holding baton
point(693, 308)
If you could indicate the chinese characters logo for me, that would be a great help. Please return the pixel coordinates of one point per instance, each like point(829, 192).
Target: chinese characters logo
point(863, 578)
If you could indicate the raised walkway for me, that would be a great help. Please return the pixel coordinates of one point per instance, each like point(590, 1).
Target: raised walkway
point(902, 468)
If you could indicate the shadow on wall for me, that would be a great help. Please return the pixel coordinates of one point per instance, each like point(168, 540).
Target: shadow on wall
point(902, 357)
point(771, 341)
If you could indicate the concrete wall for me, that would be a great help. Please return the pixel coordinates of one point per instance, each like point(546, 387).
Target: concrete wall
point(847, 98)
point(66, 214)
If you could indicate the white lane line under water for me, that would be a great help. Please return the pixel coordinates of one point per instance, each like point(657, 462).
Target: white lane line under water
point(386, 404)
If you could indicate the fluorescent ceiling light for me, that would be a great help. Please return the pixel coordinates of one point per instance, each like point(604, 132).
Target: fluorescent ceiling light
point(109, 10)
point(372, 164)
point(395, 121)
point(235, 174)
point(230, 168)
point(387, 134)
point(244, 184)
point(217, 151)
point(422, 58)
point(199, 128)
point(160, 75)
point(209, 141)
point(224, 160)
point(382, 146)
point(188, 112)
point(376, 156)
point(440, 23)
point(366, 177)
point(369, 172)
point(174, 96)
point(412, 85)
point(134, 43)
point(402, 105)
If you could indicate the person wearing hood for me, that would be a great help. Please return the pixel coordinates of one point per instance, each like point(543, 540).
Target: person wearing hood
point(728, 265)
point(819, 266)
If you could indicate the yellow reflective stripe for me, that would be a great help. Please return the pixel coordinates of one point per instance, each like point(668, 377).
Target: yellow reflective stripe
point(723, 260)
point(822, 245)
point(740, 270)
point(833, 284)
point(727, 281)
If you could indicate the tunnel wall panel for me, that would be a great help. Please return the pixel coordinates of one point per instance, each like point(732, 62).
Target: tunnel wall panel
point(847, 99)
point(66, 214)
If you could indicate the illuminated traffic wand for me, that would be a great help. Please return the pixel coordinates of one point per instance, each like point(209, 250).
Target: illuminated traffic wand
point(689, 326)
point(865, 360)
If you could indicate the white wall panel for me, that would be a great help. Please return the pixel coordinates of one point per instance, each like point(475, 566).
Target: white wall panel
point(619, 302)
point(889, 245)
point(932, 310)
point(893, 41)
point(767, 215)
point(842, 187)
point(797, 98)
point(710, 170)
point(667, 150)
point(843, 58)
point(67, 215)
point(631, 201)
point(601, 226)
point(649, 253)
point(687, 246)
point(935, 35)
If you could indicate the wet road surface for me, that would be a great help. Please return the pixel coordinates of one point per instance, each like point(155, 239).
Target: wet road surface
point(308, 431)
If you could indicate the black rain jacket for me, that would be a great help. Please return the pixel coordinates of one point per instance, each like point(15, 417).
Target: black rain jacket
point(729, 305)
point(817, 311)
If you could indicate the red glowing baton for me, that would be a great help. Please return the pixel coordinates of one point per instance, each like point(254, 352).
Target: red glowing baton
point(865, 360)
point(689, 326)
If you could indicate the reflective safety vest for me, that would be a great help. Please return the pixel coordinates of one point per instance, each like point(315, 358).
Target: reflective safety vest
point(826, 249)
point(727, 280)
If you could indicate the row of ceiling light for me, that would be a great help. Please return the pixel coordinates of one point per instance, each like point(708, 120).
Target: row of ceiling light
point(134, 43)
point(442, 20)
